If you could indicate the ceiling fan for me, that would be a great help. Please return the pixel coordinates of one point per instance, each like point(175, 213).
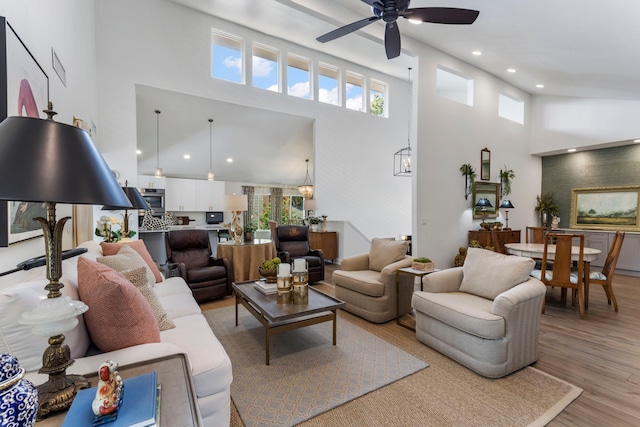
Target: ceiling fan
point(390, 10)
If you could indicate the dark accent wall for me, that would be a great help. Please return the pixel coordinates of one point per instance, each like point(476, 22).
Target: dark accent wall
point(607, 167)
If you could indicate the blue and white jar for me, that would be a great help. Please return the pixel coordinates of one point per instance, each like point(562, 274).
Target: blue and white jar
point(18, 397)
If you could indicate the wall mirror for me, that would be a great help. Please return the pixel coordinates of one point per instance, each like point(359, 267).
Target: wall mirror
point(490, 191)
point(485, 164)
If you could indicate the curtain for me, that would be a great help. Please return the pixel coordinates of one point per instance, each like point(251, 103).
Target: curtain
point(276, 204)
point(249, 191)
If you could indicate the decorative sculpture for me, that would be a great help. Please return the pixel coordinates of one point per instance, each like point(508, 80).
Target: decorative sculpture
point(109, 390)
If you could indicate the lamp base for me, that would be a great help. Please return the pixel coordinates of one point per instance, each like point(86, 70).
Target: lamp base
point(58, 392)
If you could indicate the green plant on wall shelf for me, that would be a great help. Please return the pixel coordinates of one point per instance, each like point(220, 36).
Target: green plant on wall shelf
point(469, 178)
point(546, 205)
point(506, 176)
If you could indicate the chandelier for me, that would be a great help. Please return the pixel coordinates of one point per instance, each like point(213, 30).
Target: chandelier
point(306, 189)
point(402, 157)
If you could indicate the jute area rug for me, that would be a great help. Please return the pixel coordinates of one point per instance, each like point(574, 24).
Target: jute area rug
point(445, 394)
point(307, 375)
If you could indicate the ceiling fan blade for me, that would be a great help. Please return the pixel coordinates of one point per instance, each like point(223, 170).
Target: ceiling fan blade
point(349, 28)
point(442, 15)
point(392, 40)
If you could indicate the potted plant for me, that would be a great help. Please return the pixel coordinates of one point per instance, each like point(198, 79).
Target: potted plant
point(506, 176)
point(249, 229)
point(422, 264)
point(269, 269)
point(545, 206)
point(313, 222)
point(469, 178)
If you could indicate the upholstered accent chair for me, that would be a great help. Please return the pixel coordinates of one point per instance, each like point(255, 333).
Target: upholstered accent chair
point(190, 251)
point(292, 242)
point(485, 315)
point(367, 282)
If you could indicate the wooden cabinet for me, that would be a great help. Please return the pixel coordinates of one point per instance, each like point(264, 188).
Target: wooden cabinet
point(484, 236)
point(325, 240)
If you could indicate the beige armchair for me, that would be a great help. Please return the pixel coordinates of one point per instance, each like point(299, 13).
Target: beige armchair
point(485, 315)
point(367, 282)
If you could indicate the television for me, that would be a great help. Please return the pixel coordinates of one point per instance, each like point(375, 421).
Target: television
point(215, 217)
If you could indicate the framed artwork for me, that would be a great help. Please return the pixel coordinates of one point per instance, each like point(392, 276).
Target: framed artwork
point(489, 191)
point(605, 208)
point(24, 91)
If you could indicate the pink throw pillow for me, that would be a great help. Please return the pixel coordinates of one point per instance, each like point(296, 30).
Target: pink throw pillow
point(138, 246)
point(119, 316)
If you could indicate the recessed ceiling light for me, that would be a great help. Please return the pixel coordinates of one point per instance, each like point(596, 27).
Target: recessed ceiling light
point(187, 156)
point(571, 150)
point(539, 86)
point(511, 70)
point(636, 140)
point(138, 152)
point(476, 53)
point(229, 160)
point(415, 21)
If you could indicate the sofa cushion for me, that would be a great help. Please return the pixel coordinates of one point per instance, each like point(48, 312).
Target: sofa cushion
point(365, 282)
point(16, 339)
point(505, 272)
point(138, 277)
point(138, 246)
point(172, 286)
point(118, 314)
point(384, 252)
point(127, 259)
point(466, 312)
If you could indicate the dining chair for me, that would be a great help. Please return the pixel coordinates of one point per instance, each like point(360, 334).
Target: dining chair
point(535, 234)
point(560, 273)
point(499, 239)
point(605, 277)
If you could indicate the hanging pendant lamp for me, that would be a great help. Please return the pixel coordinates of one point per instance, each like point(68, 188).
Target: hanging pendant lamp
point(402, 157)
point(158, 172)
point(210, 174)
point(306, 189)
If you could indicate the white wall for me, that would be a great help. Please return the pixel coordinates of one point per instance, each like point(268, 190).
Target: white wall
point(163, 45)
point(68, 27)
point(559, 123)
point(451, 134)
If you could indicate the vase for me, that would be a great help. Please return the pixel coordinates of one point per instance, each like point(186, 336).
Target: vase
point(314, 227)
point(18, 397)
point(544, 218)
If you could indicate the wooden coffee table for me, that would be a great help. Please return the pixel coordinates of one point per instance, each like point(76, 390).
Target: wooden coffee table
point(277, 318)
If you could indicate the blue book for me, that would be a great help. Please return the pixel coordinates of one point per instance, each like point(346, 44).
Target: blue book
point(138, 406)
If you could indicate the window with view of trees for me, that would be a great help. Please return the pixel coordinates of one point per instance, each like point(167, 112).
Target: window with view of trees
point(292, 210)
point(376, 98)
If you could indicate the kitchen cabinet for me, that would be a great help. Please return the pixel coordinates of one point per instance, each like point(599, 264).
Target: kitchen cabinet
point(180, 195)
point(150, 181)
point(325, 240)
point(209, 195)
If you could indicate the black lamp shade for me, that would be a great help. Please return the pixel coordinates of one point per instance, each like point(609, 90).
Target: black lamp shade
point(506, 204)
point(134, 197)
point(483, 203)
point(47, 161)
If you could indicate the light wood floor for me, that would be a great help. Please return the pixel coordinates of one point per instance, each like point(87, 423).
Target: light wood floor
point(600, 353)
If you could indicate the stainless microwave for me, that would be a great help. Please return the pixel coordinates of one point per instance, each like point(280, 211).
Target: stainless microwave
point(155, 199)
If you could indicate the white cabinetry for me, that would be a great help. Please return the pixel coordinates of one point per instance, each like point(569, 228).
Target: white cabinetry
point(150, 181)
point(630, 253)
point(209, 195)
point(180, 195)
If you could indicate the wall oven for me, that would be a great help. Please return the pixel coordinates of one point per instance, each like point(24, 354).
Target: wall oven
point(155, 198)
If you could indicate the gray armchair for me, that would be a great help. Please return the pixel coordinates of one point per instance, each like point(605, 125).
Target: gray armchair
point(485, 314)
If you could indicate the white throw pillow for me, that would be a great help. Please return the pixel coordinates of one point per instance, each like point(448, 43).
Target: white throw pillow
point(487, 274)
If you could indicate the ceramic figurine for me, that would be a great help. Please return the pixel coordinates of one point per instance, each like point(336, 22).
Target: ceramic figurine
point(18, 397)
point(108, 393)
point(555, 222)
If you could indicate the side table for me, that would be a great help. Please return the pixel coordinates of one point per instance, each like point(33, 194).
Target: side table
point(411, 272)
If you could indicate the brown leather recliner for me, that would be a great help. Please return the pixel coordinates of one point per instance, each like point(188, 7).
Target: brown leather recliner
point(190, 250)
point(292, 241)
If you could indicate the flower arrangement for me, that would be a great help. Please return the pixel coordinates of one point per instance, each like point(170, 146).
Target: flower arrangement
point(314, 220)
point(105, 229)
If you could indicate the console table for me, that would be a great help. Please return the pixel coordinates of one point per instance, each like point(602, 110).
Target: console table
point(484, 236)
point(327, 241)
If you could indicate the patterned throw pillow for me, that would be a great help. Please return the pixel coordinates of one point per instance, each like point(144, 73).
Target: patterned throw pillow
point(118, 316)
point(127, 259)
point(138, 277)
point(138, 246)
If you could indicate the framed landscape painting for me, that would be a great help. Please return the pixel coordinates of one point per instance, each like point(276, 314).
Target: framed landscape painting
point(605, 208)
point(24, 91)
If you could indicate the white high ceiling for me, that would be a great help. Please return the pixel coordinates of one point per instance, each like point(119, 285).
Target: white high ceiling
point(581, 48)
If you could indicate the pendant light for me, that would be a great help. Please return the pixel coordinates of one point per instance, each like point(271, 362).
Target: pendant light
point(306, 189)
point(402, 157)
point(210, 174)
point(158, 172)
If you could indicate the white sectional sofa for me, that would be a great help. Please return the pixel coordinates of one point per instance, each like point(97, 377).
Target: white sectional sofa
point(209, 362)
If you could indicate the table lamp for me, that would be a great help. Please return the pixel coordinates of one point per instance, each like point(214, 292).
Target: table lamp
point(137, 201)
point(236, 203)
point(506, 204)
point(49, 162)
point(310, 205)
point(483, 204)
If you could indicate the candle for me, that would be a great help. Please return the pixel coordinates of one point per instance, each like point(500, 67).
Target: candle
point(299, 264)
point(284, 269)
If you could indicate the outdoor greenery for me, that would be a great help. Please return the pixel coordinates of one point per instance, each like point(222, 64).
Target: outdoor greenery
point(377, 105)
point(292, 210)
